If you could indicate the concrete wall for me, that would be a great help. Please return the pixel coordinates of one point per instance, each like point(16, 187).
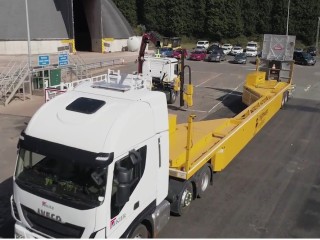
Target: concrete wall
point(93, 15)
point(48, 19)
point(114, 24)
point(37, 47)
point(52, 21)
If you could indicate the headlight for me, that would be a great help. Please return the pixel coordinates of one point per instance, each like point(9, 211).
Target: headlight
point(17, 235)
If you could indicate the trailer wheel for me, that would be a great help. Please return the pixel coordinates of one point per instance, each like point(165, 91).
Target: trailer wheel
point(185, 199)
point(204, 180)
point(140, 231)
point(284, 98)
point(172, 96)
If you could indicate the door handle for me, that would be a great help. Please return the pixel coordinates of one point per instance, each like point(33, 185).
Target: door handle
point(136, 205)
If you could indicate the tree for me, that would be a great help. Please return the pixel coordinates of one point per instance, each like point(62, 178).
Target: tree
point(128, 9)
point(215, 19)
point(178, 17)
point(233, 19)
point(279, 17)
point(264, 17)
point(197, 20)
point(249, 16)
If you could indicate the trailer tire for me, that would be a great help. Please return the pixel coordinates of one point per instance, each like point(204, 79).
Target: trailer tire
point(140, 231)
point(185, 198)
point(204, 180)
point(172, 96)
point(285, 98)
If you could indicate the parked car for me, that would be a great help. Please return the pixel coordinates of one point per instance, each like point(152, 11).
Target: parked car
point(298, 50)
point(212, 48)
point(216, 43)
point(251, 53)
point(200, 48)
point(216, 55)
point(177, 53)
point(304, 58)
point(252, 46)
point(198, 55)
point(236, 50)
point(203, 43)
point(166, 52)
point(240, 58)
point(226, 48)
point(312, 51)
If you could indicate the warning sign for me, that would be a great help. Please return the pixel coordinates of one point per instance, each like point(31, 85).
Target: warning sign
point(278, 47)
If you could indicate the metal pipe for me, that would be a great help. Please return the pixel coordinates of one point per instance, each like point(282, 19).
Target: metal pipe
point(28, 32)
point(182, 78)
point(29, 45)
point(288, 18)
point(317, 39)
point(189, 141)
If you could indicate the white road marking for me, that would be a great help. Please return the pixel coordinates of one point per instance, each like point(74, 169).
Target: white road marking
point(250, 69)
point(225, 97)
point(209, 79)
point(307, 88)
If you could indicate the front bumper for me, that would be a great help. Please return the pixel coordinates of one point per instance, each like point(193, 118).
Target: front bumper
point(240, 62)
point(22, 232)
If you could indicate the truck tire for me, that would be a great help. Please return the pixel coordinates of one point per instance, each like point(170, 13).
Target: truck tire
point(172, 96)
point(140, 231)
point(185, 198)
point(204, 180)
point(285, 98)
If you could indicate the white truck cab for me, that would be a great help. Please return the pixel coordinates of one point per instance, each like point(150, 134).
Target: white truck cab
point(165, 75)
point(93, 163)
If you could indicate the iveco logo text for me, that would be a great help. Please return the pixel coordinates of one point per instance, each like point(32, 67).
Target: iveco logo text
point(46, 205)
point(49, 215)
point(114, 221)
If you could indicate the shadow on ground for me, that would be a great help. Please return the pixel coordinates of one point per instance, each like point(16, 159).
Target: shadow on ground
point(6, 220)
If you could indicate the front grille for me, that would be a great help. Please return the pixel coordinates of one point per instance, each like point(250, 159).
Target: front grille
point(50, 227)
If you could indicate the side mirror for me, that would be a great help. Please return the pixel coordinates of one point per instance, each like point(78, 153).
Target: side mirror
point(126, 172)
point(124, 177)
point(123, 194)
point(97, 176)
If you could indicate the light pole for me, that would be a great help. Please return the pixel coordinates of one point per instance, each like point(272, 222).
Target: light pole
point(288, 17)
point(317, 39)
point(28, 32)
point(29, 45)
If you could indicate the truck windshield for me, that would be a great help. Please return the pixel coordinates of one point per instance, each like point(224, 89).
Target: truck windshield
point(66, 181)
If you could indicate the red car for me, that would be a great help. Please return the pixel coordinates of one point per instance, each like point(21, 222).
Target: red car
point(177, 53)
point(198, 55)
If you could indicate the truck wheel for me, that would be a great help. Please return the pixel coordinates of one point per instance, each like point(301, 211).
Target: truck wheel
point(185, 199)
point(284, 98)
point(140, 231)
point(204, 180)
point(172, 96)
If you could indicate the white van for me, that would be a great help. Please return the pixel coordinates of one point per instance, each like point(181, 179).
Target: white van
point(252, 46)
point(203, 43)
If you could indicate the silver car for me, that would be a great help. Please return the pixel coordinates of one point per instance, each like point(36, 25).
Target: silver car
point(217, 56)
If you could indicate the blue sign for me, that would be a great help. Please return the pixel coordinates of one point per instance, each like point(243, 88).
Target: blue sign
point(43, 60)
point(63, 59)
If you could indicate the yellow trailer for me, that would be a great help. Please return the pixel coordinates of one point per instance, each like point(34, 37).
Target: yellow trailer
point(217, 142)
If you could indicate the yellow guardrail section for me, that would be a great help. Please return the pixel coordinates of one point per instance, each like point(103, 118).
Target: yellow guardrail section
point(193, 144)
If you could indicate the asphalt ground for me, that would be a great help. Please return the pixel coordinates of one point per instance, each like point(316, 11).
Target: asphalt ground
point(271, 189)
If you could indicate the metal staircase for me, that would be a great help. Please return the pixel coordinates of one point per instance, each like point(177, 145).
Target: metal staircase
point(79, 68)
point(12, 82)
